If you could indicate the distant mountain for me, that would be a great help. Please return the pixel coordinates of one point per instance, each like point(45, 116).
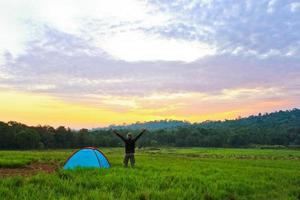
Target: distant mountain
point(288, 118)
point(151, 125)
point(267, 120)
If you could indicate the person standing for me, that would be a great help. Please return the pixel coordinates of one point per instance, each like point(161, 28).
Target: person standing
point(129, 142)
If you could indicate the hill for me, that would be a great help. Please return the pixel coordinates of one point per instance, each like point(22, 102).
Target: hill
point(151, 125)
point(288, 118)
point(277, 128)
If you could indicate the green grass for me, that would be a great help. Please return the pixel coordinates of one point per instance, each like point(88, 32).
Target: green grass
point(168, 173)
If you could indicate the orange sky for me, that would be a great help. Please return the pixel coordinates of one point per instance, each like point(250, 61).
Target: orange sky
point(34, 109)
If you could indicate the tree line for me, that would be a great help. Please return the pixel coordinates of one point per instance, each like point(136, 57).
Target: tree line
point(277, 128)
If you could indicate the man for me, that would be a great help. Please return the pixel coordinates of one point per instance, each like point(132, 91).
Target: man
point(129, 147)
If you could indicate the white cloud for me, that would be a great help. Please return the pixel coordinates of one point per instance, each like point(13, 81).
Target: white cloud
point(14, 29)
point(271, 6)
point(117, 27)
point(71, 17)
point(192, 4)
point(138, 46)
point(295, 6)
point(41, 87)
point(252, 93)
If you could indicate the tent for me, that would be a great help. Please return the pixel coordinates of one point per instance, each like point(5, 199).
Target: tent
point(87, 157)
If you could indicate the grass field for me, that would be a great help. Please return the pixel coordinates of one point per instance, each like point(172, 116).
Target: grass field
point(191, 173)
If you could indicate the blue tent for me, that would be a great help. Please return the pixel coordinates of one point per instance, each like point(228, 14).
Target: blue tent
point(88, 157)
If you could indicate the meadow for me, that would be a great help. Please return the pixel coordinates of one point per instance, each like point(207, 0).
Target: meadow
point(166, 173)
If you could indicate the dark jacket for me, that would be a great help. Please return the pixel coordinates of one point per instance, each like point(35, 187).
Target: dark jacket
point(130, 143)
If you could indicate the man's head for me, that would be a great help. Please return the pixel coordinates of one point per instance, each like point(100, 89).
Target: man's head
point(129, 135)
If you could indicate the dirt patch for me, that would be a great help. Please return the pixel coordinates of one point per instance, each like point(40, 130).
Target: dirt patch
point(29, 170)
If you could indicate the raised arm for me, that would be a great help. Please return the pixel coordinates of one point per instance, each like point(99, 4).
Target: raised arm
point(120, 136)
point(139, 135)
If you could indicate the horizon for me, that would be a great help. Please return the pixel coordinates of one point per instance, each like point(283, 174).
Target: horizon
point(92, 63)
point(168, 120)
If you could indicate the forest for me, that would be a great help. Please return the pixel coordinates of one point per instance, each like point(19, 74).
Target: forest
point(281, 129)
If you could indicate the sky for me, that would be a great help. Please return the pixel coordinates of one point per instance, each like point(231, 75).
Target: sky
point(92, 63)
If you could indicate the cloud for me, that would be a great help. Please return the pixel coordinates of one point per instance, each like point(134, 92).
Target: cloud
point(153, 56)
point(186, 30)
point(271, 5)
point(137, 46)
point(67, 66)
point(295, 6)
point(252, 26)
point(115, 27)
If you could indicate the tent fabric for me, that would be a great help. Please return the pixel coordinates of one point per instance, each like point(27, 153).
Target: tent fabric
point(88, 157)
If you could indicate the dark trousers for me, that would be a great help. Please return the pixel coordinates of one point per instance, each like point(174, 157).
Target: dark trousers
point(129, 156)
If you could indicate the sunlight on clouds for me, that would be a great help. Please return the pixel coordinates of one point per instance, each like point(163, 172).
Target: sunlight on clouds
point(110, 25)
point(13, 28)
point(91, 82)
point(70, 16)
point(138, 46)
point(198, 106)
point(250, 92)
point(161, 96)
point(4, 76)
point(172, 101)
point(36, 109)
point(22, 21)
point(119, 101)
point(42, 109)
point(42, 87)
